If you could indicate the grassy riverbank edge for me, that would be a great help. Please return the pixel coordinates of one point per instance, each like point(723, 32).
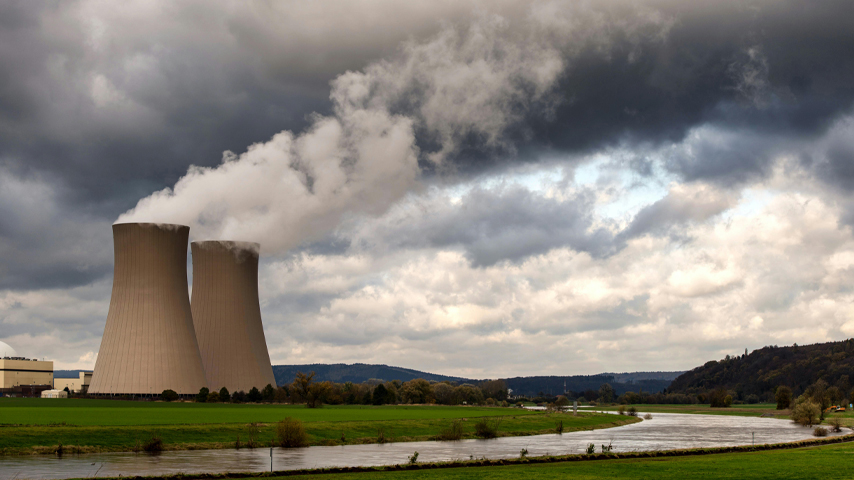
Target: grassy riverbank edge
point(319, 433)
point(694, 452)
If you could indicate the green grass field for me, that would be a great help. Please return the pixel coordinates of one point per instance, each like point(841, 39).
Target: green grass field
point(826, 463)
point(38, 411)
point(38, 425)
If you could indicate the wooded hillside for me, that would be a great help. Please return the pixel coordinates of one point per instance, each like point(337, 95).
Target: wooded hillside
point(763, 370)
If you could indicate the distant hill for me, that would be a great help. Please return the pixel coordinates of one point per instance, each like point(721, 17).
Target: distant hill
point(68, 373)
point(554, 385)
point(357, 373)
point(763, 370)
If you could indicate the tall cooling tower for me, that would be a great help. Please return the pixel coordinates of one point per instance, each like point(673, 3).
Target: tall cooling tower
point(149, 342)
point(227, 315)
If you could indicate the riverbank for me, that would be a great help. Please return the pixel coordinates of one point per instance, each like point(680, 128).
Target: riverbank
point(348, 425)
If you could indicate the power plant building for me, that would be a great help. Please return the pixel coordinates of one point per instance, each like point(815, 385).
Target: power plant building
point(21, 376)
point(149, 343)
point(227, 315)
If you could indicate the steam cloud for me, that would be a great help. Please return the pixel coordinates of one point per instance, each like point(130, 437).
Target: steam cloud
point(455, 89)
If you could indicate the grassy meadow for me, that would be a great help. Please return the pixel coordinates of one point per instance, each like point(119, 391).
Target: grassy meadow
point(39, 425)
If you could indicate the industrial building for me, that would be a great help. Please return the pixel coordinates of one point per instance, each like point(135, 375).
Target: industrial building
point(227, 315)
point(23, 377)
point(78, 384)
point(149, 343)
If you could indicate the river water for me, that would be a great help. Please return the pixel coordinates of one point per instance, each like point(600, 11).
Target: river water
point(664, 432)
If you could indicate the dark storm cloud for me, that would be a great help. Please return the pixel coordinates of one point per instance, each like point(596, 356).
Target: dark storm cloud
point(494, 225)
point(109, 107)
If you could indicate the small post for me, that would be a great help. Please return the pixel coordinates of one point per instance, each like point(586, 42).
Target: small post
point(271, 459)
point(575, 407)
point(754, 438)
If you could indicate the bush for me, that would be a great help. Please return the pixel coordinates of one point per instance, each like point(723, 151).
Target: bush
point(621, 410)
point(751, 399)
point(806, 412)
point(238, 396)
point(169, 395)
point(253, 430)
point(836, 424)
point(559, 427)
point(154, 444)
point(224, 396)
point(202, 396)
point(819, 432)
point(453, 432)
point(632, 412)
point(487, 428)
point(290, 433)
point(213, 397)
point(648, 416)
point(719, 398)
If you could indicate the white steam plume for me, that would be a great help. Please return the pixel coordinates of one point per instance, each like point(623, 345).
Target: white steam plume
point(364, 157)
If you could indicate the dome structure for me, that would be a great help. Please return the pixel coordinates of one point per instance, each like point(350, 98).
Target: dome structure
point(7, 351)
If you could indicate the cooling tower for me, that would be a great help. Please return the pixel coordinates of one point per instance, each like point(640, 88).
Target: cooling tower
point(149, 342)
point(227, 315)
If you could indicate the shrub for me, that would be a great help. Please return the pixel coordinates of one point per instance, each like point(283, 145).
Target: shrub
point(224, 396)
point(290, 433)
point(621, 410)
point(254, 395)
point(213, 397)
point(413, 458)
point(836, 424)
point(632, 412)
point(238, 396)
point(169, 395)
point(487, 428)
point(806, 412)
point(202, 396)
point(252, 432)
point(591, 449)
point(752, 398)
point(559, 427)
point(819, 432)
point(453, 432)
point(381, 435)
point(154, 444)
point(648, 416)
point(719, 398)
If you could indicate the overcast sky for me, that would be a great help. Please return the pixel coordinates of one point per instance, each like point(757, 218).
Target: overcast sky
point(482, 189)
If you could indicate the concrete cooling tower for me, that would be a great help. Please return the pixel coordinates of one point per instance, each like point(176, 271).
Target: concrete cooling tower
point(227, 315)
point(149, 343)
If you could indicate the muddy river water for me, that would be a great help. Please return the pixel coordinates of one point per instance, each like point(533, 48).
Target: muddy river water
point(663, 432)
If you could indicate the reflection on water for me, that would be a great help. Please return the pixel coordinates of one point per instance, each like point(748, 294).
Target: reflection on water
point(663, 432)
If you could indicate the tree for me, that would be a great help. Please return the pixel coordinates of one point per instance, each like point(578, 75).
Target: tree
point(444, 393)
point(606, 393)
point(302, 382)
point(496, 389)
point(783, 396)
point(269, 393)
point(202, 396)
point(224, 396)
point(416, 391)
point(169, 395)
point(213, 397)
point(254, 395)
point(806, 411)
point(66, 390)
point(718, 398)
point(317, 393)
point(380, 396)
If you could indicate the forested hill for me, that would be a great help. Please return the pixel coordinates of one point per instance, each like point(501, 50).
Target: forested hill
point(763, 370)
point(357, 373)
